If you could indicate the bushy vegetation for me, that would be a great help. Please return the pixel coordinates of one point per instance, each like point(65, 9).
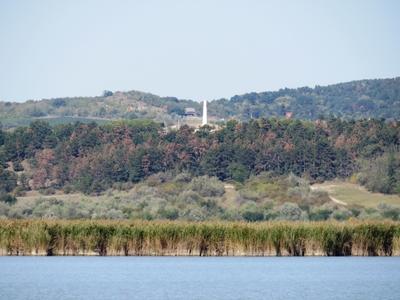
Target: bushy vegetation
point(213, 238)
point(165, 196)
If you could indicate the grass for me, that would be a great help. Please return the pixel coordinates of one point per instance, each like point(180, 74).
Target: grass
point(9, 122)
point(86, 237)
point(76, 196)
point(354, 194)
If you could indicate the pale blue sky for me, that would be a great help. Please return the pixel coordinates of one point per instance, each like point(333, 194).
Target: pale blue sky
point(192, 49)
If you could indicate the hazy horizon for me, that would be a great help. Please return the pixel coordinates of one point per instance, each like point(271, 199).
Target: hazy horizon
point(193, 51)
point(198, 100)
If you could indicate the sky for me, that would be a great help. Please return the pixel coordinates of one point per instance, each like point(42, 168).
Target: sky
point(200, 50)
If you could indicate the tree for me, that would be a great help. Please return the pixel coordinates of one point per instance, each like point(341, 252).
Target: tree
point(2, 134)
point(8, 180)
point(107, 93)
point(238, 172)
point(391, 173)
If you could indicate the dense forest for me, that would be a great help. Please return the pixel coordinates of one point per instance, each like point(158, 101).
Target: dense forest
point(267, 158)
point(352, 100)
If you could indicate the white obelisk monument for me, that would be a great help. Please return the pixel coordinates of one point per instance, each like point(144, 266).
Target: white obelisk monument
point(204, 113)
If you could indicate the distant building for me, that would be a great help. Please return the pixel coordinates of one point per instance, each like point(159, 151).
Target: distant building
point(190, 112)
point(289, 115)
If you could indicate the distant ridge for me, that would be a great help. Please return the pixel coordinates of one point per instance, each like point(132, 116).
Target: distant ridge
point(372, 98)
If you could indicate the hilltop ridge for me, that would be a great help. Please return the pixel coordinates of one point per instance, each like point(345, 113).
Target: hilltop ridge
point(376, 98)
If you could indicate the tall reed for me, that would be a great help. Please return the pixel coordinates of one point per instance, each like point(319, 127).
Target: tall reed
point(86, 237)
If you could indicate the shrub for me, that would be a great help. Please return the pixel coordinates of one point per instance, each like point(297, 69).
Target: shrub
point(320, 213)
point(271, 214)
point(48, 191)
point(341, 214)
point(111, 214)
point(253, 216)
point(7, 198)
point(381, 174)
point(183, 177)
point(290, 211)
point(389, 212)
point(169, 213)
point(370, 214)
point(158, 178)
point(4, 209)
point(19, 191)
point(207, 186)
point(238, 172)
point(68, 189)
point(295, 181)
point(123, 186)
point(194, 214)
point(299, 192)
point(17, 166)
point(189, 197)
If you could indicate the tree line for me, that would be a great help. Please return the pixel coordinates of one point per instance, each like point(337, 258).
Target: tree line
point(91, 158)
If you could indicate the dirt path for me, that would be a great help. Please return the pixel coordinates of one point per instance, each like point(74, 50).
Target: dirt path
point(327, 189)
point(230, 195)
point(337, 200)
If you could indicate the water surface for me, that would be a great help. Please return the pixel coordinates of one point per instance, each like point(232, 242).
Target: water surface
point(200, 278)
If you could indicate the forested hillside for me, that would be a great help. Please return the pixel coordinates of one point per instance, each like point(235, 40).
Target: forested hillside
point(91, 157)
point(353, 100)
point(193, 174)
point(101, 109)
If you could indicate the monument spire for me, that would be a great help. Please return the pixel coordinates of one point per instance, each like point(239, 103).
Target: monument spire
point(204, 113)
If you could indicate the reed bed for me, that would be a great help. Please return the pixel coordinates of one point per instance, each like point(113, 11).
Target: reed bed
point(59, 237)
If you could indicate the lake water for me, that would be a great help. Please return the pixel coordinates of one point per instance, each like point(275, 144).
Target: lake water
point(200, 278)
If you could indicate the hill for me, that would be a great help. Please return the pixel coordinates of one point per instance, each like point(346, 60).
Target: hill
point(347, 194)
point(379, 98)
point(101, 109)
